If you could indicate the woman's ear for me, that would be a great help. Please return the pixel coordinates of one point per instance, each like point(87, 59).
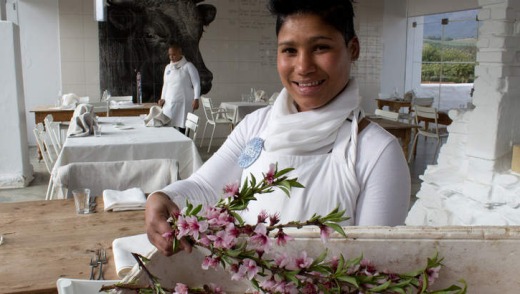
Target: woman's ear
point(353, 47)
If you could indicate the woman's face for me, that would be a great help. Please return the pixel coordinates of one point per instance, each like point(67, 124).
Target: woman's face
point(313, 60)
point(175, 54)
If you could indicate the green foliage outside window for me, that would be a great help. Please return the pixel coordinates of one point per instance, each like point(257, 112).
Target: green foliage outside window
point(448, 61)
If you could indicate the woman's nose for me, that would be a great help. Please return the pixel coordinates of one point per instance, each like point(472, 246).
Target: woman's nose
point(305, 64)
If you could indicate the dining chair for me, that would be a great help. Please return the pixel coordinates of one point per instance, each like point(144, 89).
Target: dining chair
point(192, 124)
point(53, 130)
point(427, 120)
point(420, 101)
point(44, 144)
point(148, 174)
point(214, 117)
point(386, 114)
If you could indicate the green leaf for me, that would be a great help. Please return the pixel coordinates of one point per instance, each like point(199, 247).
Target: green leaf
point(196, 210)
point(337, 228)
point(350, 280)
point(380, 288)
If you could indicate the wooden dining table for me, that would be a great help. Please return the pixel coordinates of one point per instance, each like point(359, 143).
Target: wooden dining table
point(65, 114)
point(394, 104)
point(400, 130)
point(47, 240)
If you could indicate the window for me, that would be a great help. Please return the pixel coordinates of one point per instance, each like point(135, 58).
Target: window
point(442, 50)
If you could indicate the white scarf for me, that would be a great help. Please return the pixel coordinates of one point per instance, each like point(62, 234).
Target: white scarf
point(303, 133)
point(179, 64)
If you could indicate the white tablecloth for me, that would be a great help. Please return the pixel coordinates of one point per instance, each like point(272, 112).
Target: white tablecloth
point(239, 109)
point(131, 141)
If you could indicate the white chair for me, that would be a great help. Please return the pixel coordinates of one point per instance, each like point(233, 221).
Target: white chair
point(78, 286)
point(386, 114)
point(191, 124)
point(214, 117)
point(426, 118)
point(44, 145)
point(53, 130)
point(420, 101)
point(148, 174)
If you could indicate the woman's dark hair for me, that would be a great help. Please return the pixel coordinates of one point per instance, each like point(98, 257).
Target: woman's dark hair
point(337, 13)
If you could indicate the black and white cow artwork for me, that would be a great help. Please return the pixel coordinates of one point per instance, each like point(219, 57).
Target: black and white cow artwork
point(136, 36)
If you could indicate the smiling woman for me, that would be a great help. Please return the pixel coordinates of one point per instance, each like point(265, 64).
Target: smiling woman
point(315, 126)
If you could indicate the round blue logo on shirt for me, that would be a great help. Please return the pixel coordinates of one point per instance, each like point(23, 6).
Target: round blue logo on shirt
point(251, 152)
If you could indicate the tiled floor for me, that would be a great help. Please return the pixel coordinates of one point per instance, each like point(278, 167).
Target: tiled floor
point(37, 189)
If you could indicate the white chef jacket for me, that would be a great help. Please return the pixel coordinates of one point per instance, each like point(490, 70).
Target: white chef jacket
point(181, 85)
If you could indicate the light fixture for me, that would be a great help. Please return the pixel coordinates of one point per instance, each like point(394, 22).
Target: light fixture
point(100, 10)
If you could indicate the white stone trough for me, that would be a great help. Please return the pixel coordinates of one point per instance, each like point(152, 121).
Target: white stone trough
point(487, 258)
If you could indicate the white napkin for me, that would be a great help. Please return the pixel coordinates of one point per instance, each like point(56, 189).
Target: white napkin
point(123, 248)
point(69, 99)
point(156, 118)
point(260, 96)
point(131, 199)
point(82, 122)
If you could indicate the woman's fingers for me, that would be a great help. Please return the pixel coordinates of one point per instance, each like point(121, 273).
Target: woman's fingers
point(158, 209)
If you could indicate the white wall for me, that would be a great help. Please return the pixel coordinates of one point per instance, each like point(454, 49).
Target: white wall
point(39, 31)
point(15, 169)
point(394, 47)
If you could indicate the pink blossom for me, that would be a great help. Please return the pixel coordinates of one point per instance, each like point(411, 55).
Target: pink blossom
point(274, 219)
point(269, 177)
point(262, 216)
point(196, 226)
point(204, 241)
point(286, 287)
point(222, 239)
point(216, 288)
point(433, 274)
point(268, 285)
point(325, 232)
point(249, 267)
point(369, 269)
point(231, 190)
point(181, 289)
point(168, 235)
point(260, 241)
point(302, 261)
point(282, 260)
point(210, 262)
point(217, 217)
point(183, 226)
point(232, 230)
point(282, 238)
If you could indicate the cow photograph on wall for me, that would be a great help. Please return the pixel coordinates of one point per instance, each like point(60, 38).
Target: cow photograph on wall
point(135, 39)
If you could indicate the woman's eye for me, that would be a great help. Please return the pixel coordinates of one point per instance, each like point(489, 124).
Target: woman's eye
point(288, 50)
point(321, 48)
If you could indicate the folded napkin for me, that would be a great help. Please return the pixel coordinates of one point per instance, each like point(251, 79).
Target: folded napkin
point(131, 199)
point(123, 249)
point(82, 122)
point(260, 96)
point(156, 118)
point(69, 99)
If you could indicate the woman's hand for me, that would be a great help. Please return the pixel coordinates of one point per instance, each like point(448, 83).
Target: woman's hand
point(161, 102)
point(159, 208)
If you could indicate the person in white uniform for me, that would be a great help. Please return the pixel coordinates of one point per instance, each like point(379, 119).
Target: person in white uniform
point(181, 87)
point(315, 126)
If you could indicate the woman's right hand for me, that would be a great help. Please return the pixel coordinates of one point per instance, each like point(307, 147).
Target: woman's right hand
point(159, 208)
